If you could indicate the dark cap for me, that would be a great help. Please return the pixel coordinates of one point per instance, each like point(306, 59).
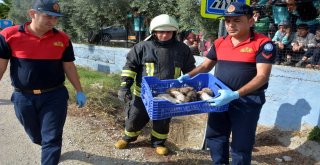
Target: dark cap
point(50, 7)
point(283, 23)
point(302, 26)
point(238, 9)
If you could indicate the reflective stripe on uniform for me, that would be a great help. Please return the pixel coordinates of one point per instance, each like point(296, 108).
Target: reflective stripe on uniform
point(150, 69)
point(128, 73)
point(137, 90)
point(177, 72)
point(123, 84)
point(158, 135)
point(132, 134)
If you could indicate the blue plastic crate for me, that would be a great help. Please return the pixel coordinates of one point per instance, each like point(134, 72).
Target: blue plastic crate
point(162, 109)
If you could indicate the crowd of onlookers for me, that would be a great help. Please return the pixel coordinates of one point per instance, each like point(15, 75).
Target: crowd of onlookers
point(199, 44)
point(293, 26)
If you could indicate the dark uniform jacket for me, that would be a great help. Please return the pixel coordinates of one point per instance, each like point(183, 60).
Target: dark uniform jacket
point(164, 60)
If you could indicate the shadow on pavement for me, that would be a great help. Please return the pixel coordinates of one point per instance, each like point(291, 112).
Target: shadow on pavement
point(5, 102)
point(288, 123)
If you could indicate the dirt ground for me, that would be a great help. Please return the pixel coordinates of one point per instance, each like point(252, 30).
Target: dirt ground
point(185, 141)
point(89, 138)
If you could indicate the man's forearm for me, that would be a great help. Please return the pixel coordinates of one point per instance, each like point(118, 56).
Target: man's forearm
point(72, 75)
point(205, 67)
point(262, 77)
point(253, 85)
point(3, 66)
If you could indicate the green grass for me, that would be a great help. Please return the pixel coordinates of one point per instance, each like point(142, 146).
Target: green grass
point(89, 77)
point(100, 89)
point(314, 135)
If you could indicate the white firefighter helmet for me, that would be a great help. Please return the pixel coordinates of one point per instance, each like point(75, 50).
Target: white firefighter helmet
point(163, 22)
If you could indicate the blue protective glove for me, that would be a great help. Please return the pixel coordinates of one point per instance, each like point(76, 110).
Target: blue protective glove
point(81, 99)
point(226, 96)
point(183, 78)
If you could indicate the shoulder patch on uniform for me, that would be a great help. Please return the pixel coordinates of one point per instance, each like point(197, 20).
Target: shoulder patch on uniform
point(268, 47)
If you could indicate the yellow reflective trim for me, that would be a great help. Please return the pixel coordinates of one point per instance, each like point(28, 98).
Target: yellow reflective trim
point(137, 90)
point(158, 135)
point(147, 68)
point(177, 72)
point(150, 69)
point(129, 73)
point(137, 93)
point(123, 84)
point(132, 134)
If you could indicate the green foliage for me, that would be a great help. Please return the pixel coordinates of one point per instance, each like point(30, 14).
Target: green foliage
point(152, 8)
point(187, 13)
point(19, 11)
point(100, 89)
point(4, 9)
point(190, 18)
point(83, 16)
point(89, 77)
point(314, 135)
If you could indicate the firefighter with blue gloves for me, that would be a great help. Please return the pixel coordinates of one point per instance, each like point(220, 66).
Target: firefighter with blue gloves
point(225, 96)
point(243, 61)
point(81, 99)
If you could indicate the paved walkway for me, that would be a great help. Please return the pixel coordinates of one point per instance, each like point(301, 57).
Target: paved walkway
point(16, 148)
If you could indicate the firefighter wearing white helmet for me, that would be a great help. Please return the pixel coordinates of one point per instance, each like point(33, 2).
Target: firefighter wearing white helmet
point(162, 56)
point(163, 22)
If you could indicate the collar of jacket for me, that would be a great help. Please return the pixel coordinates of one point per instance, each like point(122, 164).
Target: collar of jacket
point(163, 43)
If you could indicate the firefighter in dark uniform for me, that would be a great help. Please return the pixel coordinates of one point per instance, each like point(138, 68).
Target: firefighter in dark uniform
point(243, 61)
point(40, 57)
point(162, 56)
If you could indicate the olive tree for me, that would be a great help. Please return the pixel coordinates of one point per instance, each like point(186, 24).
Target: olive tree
point(19, 11)
point(4, 9)
point(83, 16)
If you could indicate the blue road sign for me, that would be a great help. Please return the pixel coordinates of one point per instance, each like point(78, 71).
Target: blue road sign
point(5, 23)
point(215, 8)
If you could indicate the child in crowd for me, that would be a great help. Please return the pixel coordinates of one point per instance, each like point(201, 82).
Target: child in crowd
point(192, 41)
point(302, 42)
point(195, 48)
point(282, 39)
point(262, 22)
point(315, 60)
point(189, 39)
point(205, 44)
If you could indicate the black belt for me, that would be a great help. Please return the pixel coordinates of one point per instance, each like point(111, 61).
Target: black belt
point(38, 91)
point(257, 92)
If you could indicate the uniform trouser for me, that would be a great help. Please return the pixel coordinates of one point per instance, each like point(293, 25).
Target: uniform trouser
point(316, 56)
point(241, 119)
point(137, 118)
point(43, 117)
